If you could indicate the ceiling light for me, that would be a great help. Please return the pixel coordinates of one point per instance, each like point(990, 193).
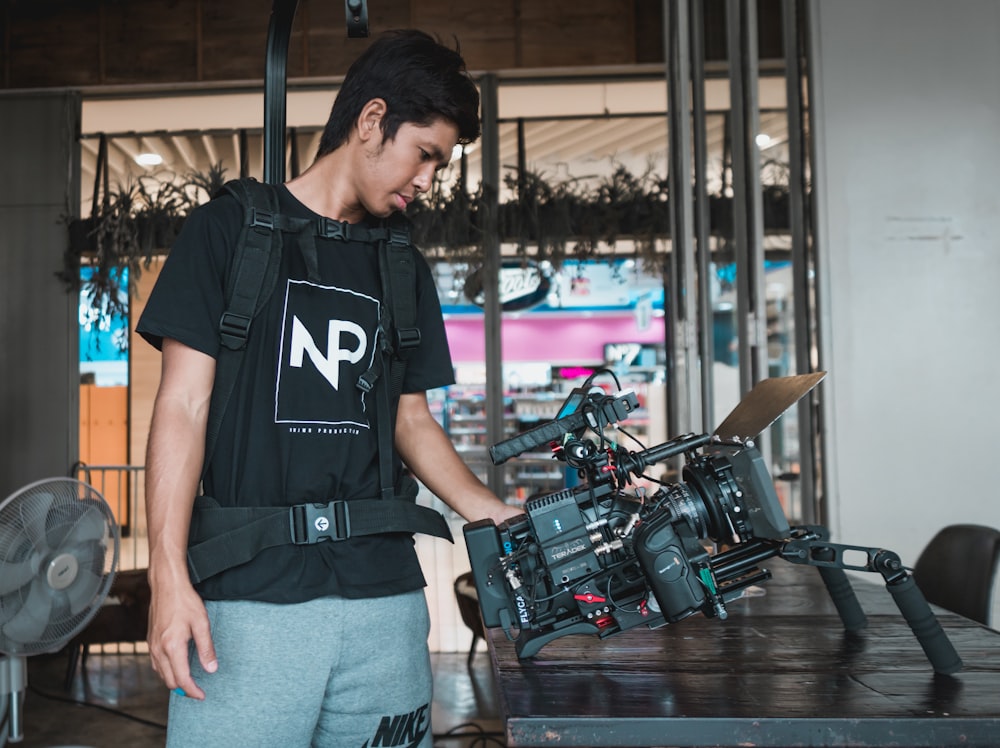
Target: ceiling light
point(149, 159)
point(467, 149)
point(763, 140)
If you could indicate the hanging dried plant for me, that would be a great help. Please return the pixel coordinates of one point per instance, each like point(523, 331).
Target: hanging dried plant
point(447, 221)
point(128, 226)
point(548, 219)
point(542, 214)
point(579, 218)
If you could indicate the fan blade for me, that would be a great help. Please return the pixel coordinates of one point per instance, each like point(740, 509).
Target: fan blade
point(10, 606)
point(33, 618)
point(90, 526)
point(16, 575)
point(83, 590)
point(35, 523)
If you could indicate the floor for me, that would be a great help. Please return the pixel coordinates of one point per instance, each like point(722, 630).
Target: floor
point(120, 703)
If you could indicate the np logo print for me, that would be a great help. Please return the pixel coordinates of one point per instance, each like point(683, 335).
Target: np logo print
point(328, 340)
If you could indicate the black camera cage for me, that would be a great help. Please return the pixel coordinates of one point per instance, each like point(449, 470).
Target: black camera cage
point(721, 577)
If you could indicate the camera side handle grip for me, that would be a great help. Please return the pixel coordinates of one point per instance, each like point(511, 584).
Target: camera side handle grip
point(829, 557)
point(925, 626)
point(813, 548)
point(844, 599)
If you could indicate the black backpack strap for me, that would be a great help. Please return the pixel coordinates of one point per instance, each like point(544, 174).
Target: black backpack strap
point(249, 284)
point(399, 335)
point(399, 256)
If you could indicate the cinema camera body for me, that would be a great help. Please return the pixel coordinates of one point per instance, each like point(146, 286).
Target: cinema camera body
point(606, 556)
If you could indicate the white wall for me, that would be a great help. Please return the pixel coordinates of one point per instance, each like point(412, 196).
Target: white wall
point(907, 123)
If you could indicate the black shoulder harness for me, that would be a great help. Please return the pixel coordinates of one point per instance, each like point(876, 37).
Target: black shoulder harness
point(224, 537)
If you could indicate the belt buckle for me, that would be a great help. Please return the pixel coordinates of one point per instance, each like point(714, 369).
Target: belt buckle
point(313, 523)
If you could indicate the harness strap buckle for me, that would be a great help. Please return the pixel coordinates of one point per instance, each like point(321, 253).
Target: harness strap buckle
point(331, 229)
point(407, 338)
point(261, 218)
point(366, 382)
point(399, 235)
point(313, 523)
point(234, 329)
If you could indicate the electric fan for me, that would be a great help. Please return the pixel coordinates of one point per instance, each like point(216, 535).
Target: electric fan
point(58, 555)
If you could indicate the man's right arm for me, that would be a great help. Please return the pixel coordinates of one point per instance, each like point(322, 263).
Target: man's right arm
point(174, 457)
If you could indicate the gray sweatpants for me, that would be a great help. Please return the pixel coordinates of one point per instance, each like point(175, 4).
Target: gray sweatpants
point(329, 672)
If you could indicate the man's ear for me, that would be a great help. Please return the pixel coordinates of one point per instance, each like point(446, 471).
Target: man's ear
point(370, 120)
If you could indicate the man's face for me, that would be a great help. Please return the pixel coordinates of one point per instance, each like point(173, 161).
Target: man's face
point(398, 170)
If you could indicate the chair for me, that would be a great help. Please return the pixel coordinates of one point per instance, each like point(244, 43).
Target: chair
point(957, 568)
point(468, 607)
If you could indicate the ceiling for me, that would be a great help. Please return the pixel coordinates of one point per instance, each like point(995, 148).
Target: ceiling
point(571, 130)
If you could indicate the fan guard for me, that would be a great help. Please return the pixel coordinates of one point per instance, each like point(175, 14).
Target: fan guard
point(58, 555)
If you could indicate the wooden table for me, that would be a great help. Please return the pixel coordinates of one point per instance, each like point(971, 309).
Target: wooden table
point(780, 671)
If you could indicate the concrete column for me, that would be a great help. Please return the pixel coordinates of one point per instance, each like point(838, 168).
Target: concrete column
point(39, 338)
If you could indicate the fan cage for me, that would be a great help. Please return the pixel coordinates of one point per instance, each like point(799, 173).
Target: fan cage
point(59, 546)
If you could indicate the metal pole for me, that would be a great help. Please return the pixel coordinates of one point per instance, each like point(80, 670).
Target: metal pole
point(684, 416)
point(825, 479)
point(522, 181)
point(737, 141)
point(703, 256)
point(275, 85)
point(244, 153)
point(491, 276)
point(801, 257)
point(747, 203)
point(671, 326)
point(293, 151)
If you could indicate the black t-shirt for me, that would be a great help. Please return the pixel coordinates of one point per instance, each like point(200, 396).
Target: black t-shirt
point(297, 429)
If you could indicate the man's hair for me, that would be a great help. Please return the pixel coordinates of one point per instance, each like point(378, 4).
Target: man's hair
point(421, 81)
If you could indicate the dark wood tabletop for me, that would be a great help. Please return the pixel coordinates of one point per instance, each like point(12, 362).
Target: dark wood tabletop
point(780, 671)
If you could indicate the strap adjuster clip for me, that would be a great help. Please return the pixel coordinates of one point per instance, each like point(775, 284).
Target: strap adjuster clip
point(262, 218)
point(366, 382)
point(312, 523)
point(399, 236)
point(234, 329)
point(407, 338)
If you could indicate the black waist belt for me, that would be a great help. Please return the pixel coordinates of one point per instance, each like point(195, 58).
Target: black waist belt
point(224, 537)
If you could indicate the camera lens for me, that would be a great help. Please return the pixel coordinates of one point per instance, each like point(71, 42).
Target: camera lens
point(712, 479)
point(709, 501)
point(682, 504)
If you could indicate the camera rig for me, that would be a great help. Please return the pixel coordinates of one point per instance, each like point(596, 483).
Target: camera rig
point(607, 555)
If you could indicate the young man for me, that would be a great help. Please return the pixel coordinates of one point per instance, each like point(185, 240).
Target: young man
point(323, 643)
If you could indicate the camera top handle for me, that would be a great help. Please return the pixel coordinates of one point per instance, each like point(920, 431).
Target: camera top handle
point(593, 412)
